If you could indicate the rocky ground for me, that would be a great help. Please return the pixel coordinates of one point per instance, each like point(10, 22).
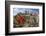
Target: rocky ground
point(31, 21)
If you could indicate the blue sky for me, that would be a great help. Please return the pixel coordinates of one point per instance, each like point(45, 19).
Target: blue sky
point(17, 10)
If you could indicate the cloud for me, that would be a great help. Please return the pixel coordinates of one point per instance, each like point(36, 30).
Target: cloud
point(22, 10)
